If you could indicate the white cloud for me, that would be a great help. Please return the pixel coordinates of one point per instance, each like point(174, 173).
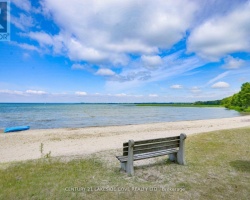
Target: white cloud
point(23, 4)
point(176, 86)
point(105, 72)
point(79, 93)
point(78, 66)
point(35, 92)
point(220, 76)
point(195, 89)
point(153, 95)
point(121, 95)
point(108, 31)
point(136, 76)
point(12, 92)
point(151, 61)
point(25, 46)
point(211, 8)
point(22, 22)
point(222, 35)
point(219, 85)
point(23, 93)
point(41, 37)
point(132, 46)
point(233, 63)
point(47, 41)
point(78, 51)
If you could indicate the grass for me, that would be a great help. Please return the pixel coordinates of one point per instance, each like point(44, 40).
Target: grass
point(218, 166)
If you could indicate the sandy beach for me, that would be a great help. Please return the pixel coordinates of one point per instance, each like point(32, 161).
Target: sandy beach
point(25, 145)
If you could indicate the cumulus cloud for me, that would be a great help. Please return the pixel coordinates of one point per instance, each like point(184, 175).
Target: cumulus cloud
point(176, 86)
point(105, 72)
point(35, 92)
point(151, 61)
point(220, 85)
point(41, 37)
point(233, 63)
point(107, 31)
point(79, 93)
point(222, 35)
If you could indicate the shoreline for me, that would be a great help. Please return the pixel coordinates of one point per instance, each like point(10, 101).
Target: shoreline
point(21, 146)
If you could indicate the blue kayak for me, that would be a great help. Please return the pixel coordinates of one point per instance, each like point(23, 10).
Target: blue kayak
point(16, 128)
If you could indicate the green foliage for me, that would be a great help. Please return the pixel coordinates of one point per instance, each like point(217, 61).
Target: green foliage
point(216, 102)
point(239, 101)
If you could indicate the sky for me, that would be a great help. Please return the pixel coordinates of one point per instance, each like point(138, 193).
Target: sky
point(126, 51)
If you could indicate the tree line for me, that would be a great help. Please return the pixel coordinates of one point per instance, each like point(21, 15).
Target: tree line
point(239, 101)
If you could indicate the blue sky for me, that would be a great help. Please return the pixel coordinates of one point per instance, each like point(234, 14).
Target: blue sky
point(125, 51)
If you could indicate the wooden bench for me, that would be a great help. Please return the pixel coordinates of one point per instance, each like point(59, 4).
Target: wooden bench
point(138, 150)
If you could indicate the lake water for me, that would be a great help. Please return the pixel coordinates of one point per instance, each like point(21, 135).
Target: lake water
point(44, 116)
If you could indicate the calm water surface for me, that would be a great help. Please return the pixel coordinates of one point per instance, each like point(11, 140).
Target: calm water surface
point(44, 116)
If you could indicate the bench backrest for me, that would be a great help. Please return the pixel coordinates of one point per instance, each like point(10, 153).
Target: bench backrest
point(152, 145)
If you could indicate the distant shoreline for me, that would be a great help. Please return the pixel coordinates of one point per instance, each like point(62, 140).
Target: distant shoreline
point(177, 105)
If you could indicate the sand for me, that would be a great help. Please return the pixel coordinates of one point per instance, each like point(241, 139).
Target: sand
point(70, 142)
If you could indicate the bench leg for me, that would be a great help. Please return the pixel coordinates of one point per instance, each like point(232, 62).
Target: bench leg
point(124, 166)
point(130, 163)
point(181, 158)
point(173, 157)
point(130, 167)
point(181, 153)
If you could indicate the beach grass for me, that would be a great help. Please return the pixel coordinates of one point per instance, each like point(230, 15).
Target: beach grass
point(218, 167)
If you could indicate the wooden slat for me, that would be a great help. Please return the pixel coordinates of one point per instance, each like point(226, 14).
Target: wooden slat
point(148, 155)
point(154, 154)
point(152, 140)
point(152, 145)
point(125, 144)
point(154, 149)
point(157, 140)
point(161, 144)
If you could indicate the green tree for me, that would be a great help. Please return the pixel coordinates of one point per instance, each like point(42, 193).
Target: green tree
point(226, 102)
point(239, 101)
point(244, 95)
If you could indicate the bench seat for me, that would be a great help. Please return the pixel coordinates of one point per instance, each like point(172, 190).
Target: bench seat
point(148, 155)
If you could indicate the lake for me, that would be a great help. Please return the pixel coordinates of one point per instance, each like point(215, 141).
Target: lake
point(46, 116)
